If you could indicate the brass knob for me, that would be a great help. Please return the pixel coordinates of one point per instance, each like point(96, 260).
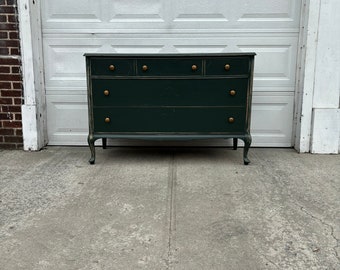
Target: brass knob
point(144, 67)
point(194, 67)
point(112, 67)
point(232, 92)
point(227, 67)
point(231, 120)
point(107, 120)
point(106, 92)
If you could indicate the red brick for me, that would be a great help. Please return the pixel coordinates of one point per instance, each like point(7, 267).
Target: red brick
point(17, 101)
point(18, 116)
point(3, 35)
point(15, 69)
point(11, 2)
point(6, 101)
point(15, 51)
point(12, 18)
point(4, 69)
point(6, 116)
point(10, 146)
point(8, 42)
point(17, 85)
point(5, 85)
point(6, 131)
point(7, 9)
point(2, 2)
point(9, 26)
point(11, 93)
point(10, 77)
point(13, 139)
point(18, 132)
point(4, 51)
point(12, 124)
point(9, 61)
point(1, 140)
point(13, 35)
point(11, 109)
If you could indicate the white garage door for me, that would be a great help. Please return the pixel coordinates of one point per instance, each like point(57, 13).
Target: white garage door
point(268, 27)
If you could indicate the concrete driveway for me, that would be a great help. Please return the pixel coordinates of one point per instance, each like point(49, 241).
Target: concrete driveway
point(169, 208)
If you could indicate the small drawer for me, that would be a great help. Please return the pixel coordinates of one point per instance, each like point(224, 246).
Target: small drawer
point(228, 66)
point(112, 67)
point(169, 67)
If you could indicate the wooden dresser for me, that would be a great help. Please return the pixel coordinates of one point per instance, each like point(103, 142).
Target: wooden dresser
point(169, 97)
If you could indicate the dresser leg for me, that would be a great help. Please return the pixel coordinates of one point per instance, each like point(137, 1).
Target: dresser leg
point(235, 143)
point(247, 143)
point(104, 143)
point(91, 141)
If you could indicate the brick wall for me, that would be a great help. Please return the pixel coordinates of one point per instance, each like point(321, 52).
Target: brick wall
point(10, 77)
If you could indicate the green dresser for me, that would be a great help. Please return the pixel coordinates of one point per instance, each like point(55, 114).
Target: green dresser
point(169, 97)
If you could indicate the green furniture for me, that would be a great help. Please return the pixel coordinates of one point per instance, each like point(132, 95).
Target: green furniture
point(169, 97)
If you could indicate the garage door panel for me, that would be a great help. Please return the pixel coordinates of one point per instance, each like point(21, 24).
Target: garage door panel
point(272, 118)
point(177, 14)
point(67, 119)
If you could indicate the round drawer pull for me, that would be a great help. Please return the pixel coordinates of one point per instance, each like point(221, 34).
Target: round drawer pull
point(107, 120)
point(227, 67)
point(106, 92)
point(144, 68)
point(232, 92)
point(194, 67)
point(231, 119)
point(112, 67)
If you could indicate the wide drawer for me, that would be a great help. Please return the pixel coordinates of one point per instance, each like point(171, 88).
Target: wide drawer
point(228, 66)
point(169, 67)
point(170, 92)
point(112, 67)
point(171, 119)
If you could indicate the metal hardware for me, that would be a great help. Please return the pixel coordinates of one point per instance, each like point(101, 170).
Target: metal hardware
point(106, 92)
point(144, 67)
point(231, 120)
point(194, 67)
point(112, 67)
point(227, 67)
point(107, 120)
point(232, 92)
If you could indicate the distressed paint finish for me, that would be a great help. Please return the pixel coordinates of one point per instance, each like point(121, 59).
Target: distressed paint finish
point(33, 108)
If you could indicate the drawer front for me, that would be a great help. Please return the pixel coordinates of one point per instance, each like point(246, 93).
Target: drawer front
point(169, 67)
point(170, 92)
point(112, 67)
point(228, 66)
point(176, 119)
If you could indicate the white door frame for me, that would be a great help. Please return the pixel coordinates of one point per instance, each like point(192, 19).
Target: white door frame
point(34, 107)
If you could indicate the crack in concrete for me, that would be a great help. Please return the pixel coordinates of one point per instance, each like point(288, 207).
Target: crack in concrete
point(331, 228)
point(172, 214)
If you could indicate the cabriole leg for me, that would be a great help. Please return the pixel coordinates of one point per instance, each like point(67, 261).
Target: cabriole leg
point(247, 143)
point(91, 141)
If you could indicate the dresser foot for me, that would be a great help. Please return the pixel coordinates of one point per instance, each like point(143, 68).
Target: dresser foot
point(91, 141)
point(247, 143)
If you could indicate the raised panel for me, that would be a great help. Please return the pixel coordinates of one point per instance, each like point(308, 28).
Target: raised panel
point(68, 120)
point(65, 63)
point(272, 117)
point(63, 11)
point(269, 10)
point(137, 10)
point(275, 60)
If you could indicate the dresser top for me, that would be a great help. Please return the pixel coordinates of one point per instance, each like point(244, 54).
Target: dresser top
point(169, 55)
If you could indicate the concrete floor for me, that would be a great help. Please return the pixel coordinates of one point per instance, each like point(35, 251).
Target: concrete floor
point(158, 208)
